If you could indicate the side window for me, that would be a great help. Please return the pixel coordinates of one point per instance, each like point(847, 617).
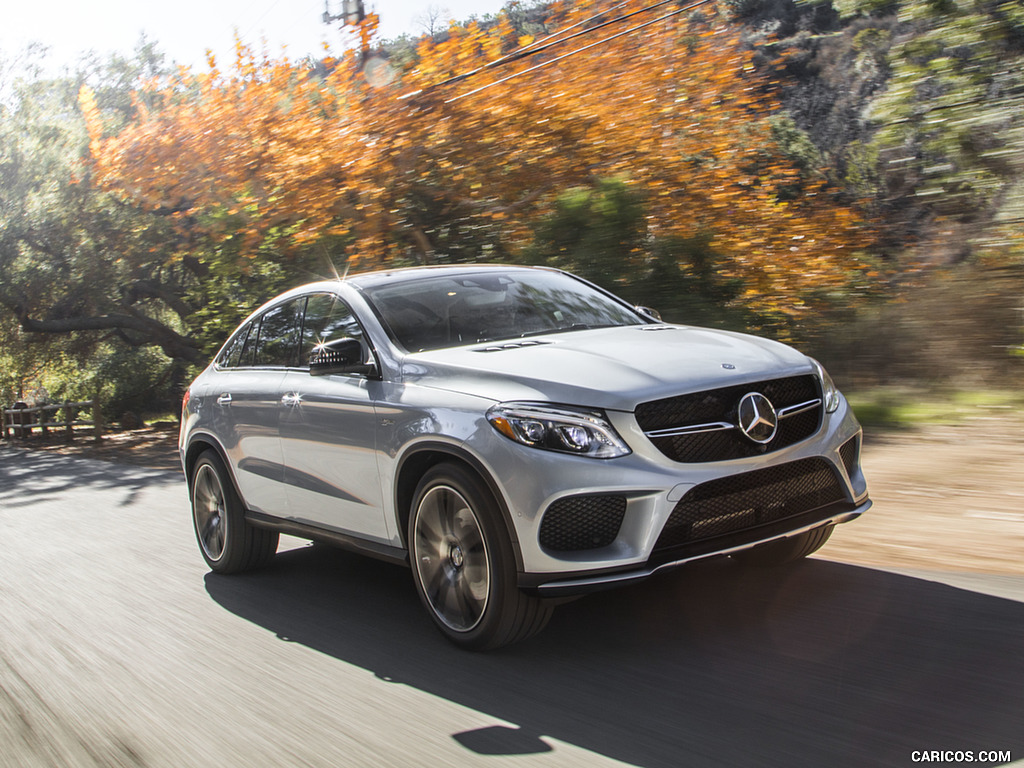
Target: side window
point(245, 357)
point(232, 355)
point(327, 318)
point(278, 342)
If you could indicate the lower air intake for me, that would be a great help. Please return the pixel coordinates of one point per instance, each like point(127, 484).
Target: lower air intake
point(577, 523)
point(741, 502)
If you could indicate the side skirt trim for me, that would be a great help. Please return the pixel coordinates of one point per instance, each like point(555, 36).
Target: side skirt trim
point(334, 538)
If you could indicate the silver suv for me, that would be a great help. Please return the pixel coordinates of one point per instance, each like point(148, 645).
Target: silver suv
point(515, 435)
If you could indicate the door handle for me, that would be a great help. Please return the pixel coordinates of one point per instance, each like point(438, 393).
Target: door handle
point(224, 399)
point(291, 399)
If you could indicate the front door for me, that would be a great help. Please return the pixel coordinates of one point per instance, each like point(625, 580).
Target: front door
point(328, 434)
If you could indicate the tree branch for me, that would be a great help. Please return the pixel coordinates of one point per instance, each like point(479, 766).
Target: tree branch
point(172, 343)
point(149, 289)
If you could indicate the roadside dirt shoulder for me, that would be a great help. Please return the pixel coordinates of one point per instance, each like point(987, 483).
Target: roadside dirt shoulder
point(155, 447)
point(945, 497)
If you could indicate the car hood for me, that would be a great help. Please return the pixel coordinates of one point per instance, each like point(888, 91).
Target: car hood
point(610, 368)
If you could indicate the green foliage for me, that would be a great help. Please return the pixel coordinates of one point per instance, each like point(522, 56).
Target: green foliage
point(950, 122)
point(596, 233)
point(798, 148)
point(233, 284)
point(138, 380)
point(48, 369)
point(850, 8)
point(907, 408)
point(91, 289)
point(600, 234)
point(686, 283)
point(872, 40)
point(19, 362)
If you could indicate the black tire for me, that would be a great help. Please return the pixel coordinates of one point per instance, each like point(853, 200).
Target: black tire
point(787, 550)
point(228, 543)
point(463, 564)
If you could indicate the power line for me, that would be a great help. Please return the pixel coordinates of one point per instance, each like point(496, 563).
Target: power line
point(557, 59)
point(261, 17)
point(556, 39)
point(550, 41)
point(567, 29)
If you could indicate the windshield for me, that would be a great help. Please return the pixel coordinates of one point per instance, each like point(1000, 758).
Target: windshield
point(437, 311)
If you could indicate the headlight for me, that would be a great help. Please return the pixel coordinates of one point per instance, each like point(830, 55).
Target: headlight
point(828, 387)
point(584, 433)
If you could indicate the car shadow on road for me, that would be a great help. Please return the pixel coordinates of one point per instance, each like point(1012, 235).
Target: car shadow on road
point(29, 477)
point(817, 664)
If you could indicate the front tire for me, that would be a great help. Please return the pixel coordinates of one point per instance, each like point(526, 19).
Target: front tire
point(228, 542)
point(787, 550)
point(463, 564)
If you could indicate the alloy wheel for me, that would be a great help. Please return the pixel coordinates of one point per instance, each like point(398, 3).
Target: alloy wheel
point(452, 559)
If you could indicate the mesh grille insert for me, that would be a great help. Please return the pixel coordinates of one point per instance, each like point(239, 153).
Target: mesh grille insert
point(849, 452)
point(741, 502)
point(719, 405)
point(579, 523)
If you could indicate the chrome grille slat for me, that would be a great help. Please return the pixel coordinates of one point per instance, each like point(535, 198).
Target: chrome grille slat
point(691, 430)
point(701, 426)
point(793, 410)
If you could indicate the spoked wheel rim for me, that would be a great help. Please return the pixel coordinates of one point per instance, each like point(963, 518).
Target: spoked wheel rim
point(452, 560)
point(209, 510)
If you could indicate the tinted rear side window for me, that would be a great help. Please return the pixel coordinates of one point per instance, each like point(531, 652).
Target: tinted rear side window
point(232, 355)
point(278, 342)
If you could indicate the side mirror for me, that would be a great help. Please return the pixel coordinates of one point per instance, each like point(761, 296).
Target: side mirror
point(653, 314)
point(343, 355)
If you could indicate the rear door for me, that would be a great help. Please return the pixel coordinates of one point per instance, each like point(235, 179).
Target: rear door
point(246, 400)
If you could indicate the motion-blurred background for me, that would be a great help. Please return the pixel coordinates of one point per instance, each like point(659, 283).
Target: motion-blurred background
point(844, 175)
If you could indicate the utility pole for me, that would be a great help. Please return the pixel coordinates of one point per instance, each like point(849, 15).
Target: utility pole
point(375, 68)
point(352, 13)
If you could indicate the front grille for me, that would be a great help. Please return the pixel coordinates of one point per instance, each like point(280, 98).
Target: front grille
point(740, 502)
point(848, 453)
point(577, 523)
point(719, 406)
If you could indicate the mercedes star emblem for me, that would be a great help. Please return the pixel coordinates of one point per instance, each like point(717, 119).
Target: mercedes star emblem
point(757, 418)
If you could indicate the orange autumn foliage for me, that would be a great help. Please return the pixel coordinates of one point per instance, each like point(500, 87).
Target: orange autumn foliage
point(274, 150)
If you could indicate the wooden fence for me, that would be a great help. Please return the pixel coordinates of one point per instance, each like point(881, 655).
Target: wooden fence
point(21, 421)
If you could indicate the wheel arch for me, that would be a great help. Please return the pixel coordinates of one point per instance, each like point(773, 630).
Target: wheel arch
point(198, 444)
point(419, 460)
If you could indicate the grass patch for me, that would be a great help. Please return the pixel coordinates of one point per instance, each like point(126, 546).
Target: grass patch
point(896, 408)
point(162, 420)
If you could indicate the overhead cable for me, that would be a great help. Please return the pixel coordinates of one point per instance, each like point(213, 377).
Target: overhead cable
point(556, 38)
point(557, 59)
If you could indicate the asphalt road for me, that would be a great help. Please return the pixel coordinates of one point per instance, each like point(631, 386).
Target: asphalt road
point(119, 648)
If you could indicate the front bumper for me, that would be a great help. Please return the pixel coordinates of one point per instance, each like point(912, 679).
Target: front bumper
point(650, 490)
point(576, 583)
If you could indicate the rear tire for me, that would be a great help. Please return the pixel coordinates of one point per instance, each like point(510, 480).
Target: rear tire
point(228, 542)
point(787, 550)
point(463, 564)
